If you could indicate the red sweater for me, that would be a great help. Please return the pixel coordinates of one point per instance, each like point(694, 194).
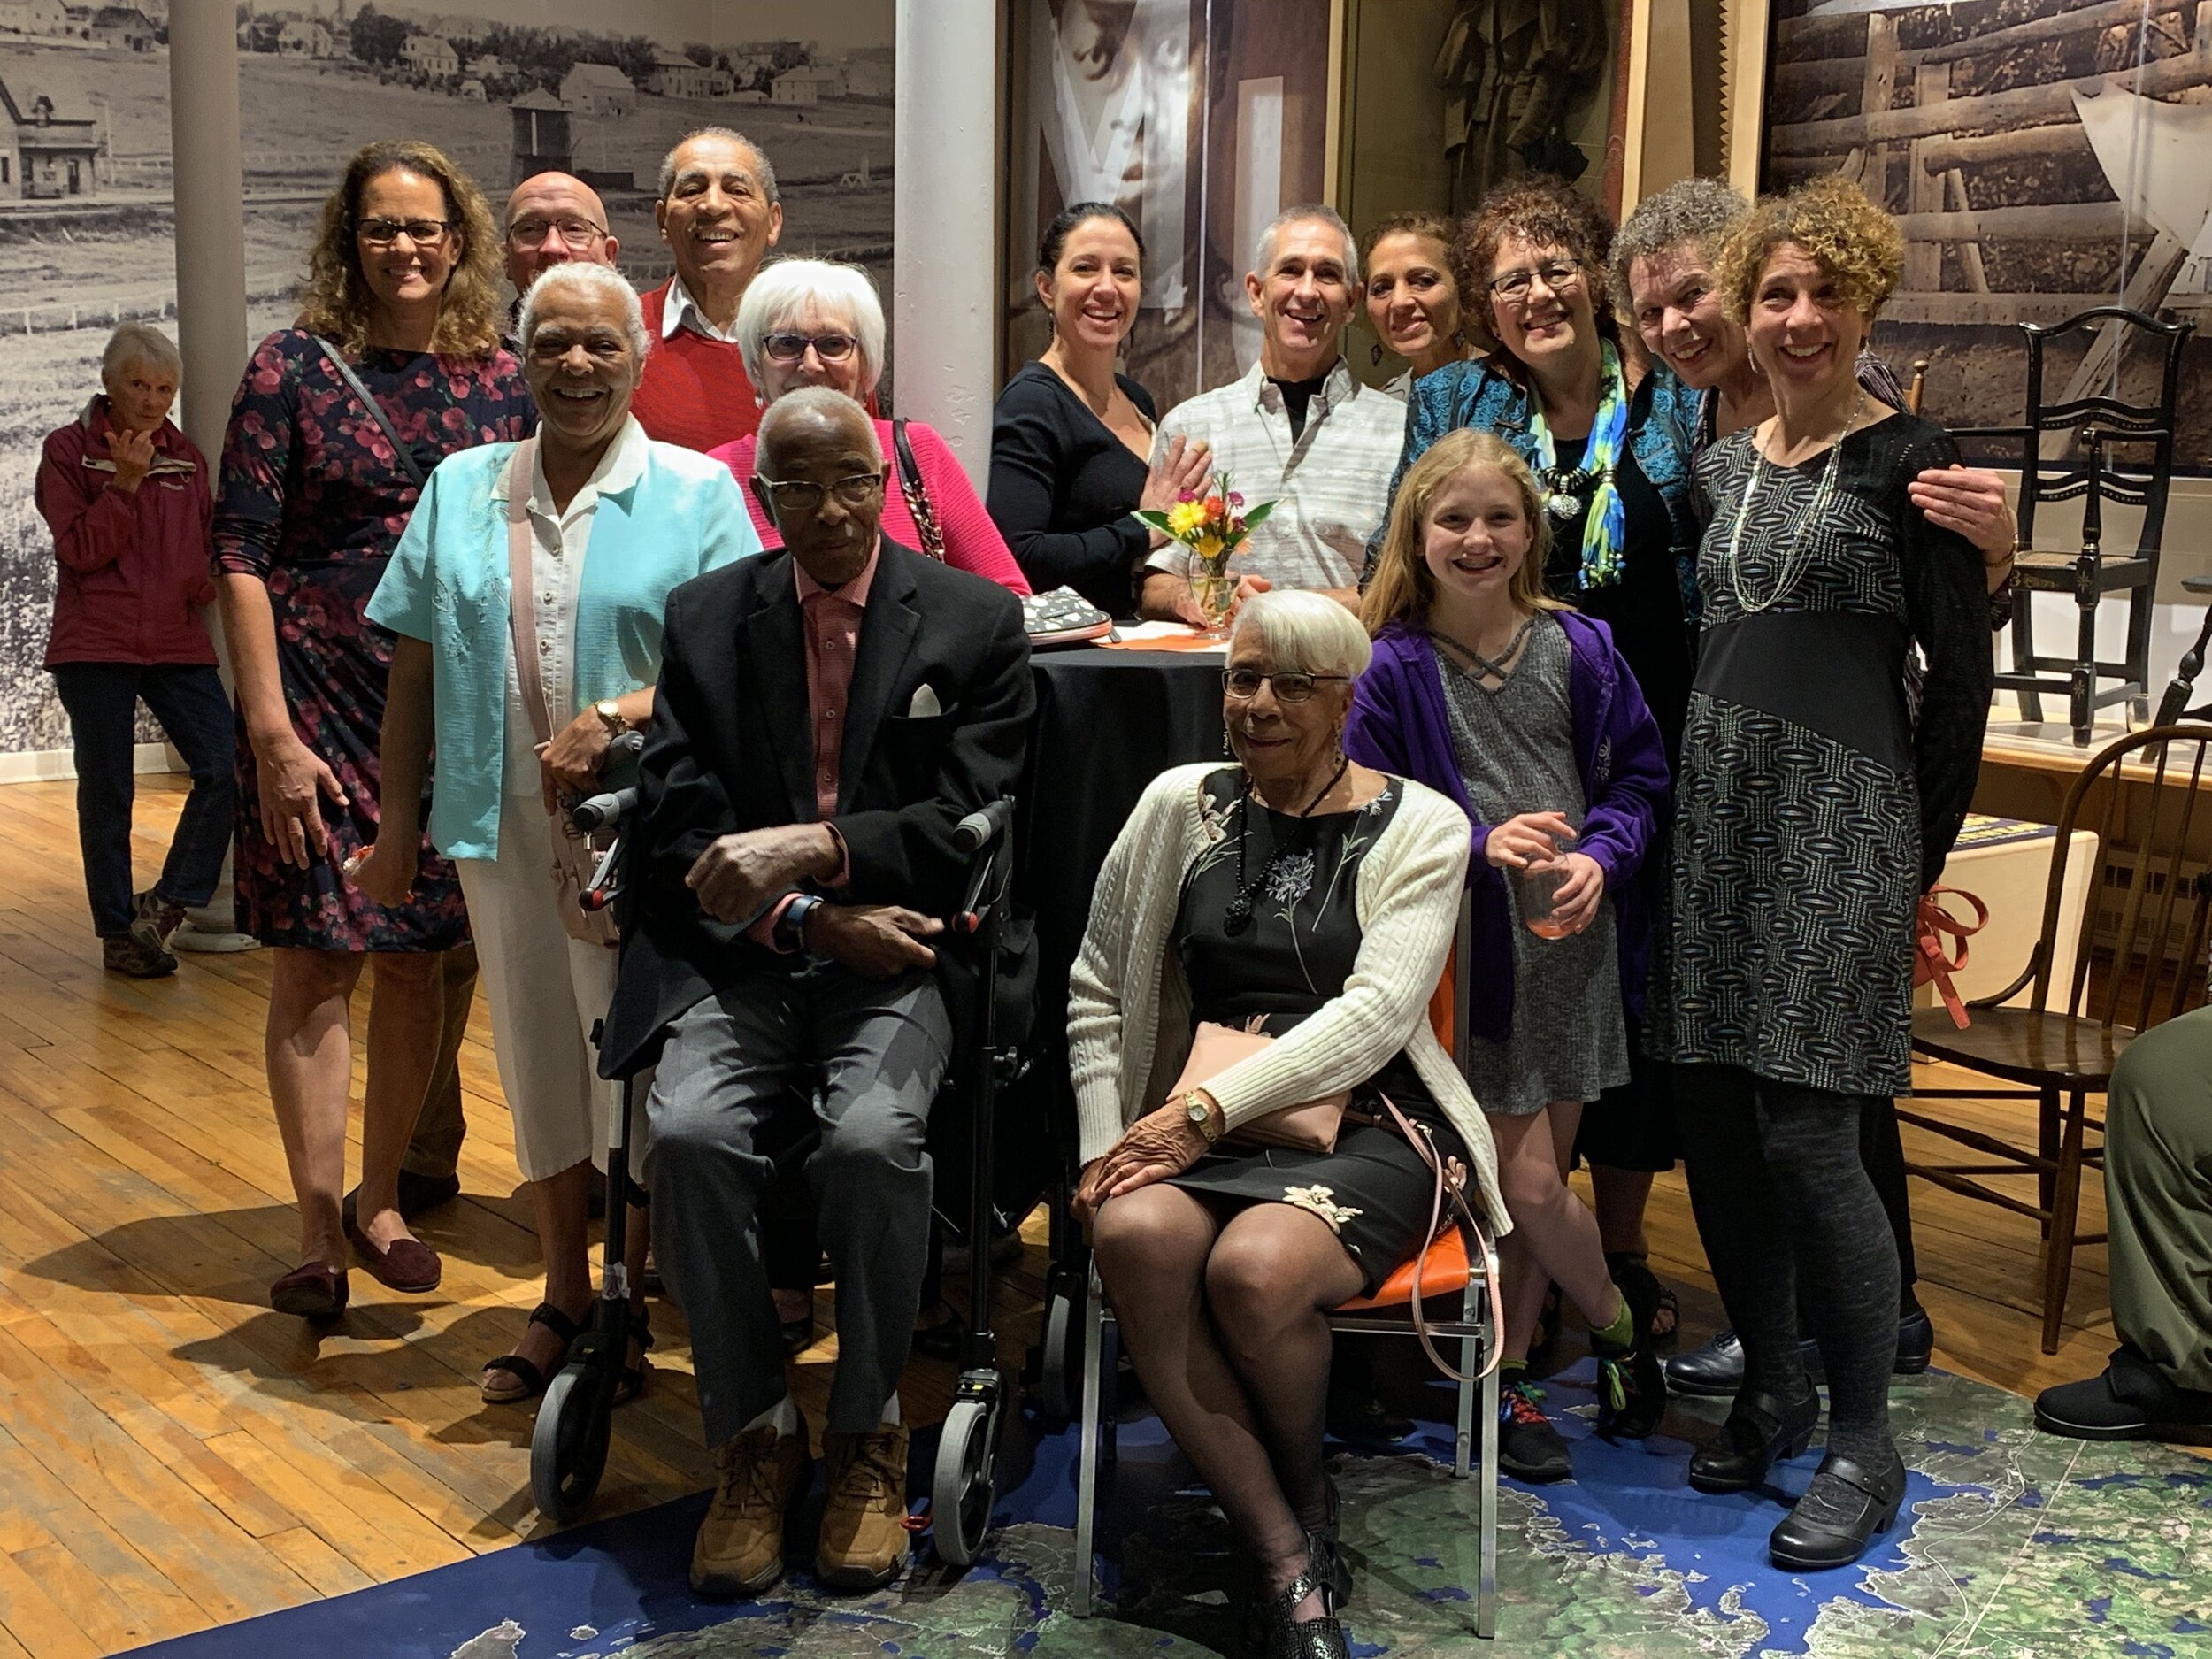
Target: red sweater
point(135, 568)
point(694, 391)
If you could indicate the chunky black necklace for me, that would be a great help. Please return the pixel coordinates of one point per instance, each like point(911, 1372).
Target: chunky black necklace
point(1239, 915)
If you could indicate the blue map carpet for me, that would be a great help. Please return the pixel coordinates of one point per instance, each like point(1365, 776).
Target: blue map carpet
point(2015, 1546)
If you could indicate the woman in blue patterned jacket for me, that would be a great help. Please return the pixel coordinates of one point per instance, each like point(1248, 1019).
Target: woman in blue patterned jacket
point(1611, 448)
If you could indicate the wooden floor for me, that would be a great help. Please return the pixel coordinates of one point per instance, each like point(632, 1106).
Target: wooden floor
point(174, 1454)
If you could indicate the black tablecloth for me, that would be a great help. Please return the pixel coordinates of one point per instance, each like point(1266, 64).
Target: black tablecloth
point(1108, 723)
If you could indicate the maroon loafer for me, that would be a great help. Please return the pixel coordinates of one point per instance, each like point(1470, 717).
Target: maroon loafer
point(314, 1290)
point(409, 1265)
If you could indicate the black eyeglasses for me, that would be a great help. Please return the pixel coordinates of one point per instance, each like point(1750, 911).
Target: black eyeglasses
point(530, 233)
point(1559, 275)
point(804, 496)
point(783, 347)
point(424, 232)
point(1244, 684)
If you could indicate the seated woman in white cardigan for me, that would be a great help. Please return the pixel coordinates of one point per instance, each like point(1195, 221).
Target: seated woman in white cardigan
point(1318, 899)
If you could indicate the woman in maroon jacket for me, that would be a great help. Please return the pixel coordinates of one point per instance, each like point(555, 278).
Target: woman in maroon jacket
point(129, 499)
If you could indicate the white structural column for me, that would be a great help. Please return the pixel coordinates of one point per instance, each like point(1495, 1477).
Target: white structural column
point(945, 217)
point(211, 220)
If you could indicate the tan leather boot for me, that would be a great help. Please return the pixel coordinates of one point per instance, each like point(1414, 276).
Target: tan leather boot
point(864, 1520)
point(738, 1551)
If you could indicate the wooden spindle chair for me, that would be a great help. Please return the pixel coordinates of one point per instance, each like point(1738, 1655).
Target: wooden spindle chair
point(2143, 794)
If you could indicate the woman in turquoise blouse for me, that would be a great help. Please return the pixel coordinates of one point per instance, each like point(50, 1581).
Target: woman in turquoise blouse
point(611, 522)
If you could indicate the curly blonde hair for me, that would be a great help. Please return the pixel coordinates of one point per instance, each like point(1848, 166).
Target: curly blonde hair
point(1852, 240)
point(1402, 584)
point(337, 302)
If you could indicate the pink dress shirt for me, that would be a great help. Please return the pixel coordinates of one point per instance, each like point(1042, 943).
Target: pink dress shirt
point(830, 622)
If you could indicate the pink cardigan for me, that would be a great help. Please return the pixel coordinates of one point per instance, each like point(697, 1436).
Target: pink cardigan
point(971, 541)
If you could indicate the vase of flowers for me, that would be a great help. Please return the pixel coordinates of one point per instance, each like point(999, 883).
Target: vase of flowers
point(1211, 525)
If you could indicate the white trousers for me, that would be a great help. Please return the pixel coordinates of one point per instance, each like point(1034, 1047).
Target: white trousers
point(545, 990)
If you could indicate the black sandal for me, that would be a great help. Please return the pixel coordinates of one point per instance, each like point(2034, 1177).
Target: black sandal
point(527, 1372)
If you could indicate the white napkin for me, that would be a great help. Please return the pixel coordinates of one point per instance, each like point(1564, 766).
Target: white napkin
point(924, 706)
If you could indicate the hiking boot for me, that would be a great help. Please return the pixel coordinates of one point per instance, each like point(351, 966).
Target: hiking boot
point(1529, 1449)
point(738, 1551)
point(863, 1536)
point(155, 920)
point(136, 956)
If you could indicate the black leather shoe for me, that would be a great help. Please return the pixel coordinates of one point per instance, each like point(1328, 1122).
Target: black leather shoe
point(1741, 1458)
point(1870, 1500)
point(2129, 1399)
point(1711, 1370)
point(1915, 1343)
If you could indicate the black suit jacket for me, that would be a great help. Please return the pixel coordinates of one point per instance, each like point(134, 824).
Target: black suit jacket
point(730, 749)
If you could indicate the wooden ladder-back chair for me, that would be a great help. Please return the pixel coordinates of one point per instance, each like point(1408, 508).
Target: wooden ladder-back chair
point(2175, 704)
point(2103, 449)
point(2147, 793)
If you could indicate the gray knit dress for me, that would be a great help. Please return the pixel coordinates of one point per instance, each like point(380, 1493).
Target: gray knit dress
point(1515, 744)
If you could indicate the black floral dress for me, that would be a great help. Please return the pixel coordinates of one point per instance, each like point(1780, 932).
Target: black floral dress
point(312, 501)
point(1299, 950)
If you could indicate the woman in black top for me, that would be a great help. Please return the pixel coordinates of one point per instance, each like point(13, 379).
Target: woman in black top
point(1069, 436)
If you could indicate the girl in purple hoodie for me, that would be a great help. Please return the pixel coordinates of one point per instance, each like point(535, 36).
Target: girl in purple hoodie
point(1522, 710)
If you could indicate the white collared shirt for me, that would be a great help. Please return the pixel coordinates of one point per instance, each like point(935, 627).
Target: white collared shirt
point(682, 312)
point(1330, 488)
point(560, 540)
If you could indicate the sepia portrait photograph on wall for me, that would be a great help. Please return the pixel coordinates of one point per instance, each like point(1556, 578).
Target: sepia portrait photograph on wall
point(2044, 157)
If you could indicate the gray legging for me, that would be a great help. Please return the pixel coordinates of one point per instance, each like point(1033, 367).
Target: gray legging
point(1785, 1205)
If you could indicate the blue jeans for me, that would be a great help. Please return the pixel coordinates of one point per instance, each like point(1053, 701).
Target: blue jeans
point(188, 699)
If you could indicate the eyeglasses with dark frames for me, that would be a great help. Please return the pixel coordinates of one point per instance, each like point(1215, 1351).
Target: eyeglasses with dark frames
point(424, 232)
point(1244, 684)
point(1558, 275)
point(790, 348)
point(804, 496)
point(530, 234)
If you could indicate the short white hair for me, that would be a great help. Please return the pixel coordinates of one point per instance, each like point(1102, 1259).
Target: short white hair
point(141, 342)
point(1264, 256)
point(586, 279)
point(1305, 632)
point(776, 298)
point(822, 404)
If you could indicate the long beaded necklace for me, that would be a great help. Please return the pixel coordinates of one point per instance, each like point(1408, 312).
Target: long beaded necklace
point(1238, 917)
point(1795, 557)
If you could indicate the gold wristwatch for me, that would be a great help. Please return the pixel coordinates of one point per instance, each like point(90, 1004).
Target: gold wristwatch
point(610, 716)
point(1200, 1109)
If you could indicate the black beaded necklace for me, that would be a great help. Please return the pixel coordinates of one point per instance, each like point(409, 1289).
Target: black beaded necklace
point(1239, 915)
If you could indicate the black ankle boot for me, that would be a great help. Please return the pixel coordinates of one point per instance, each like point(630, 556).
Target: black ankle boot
point(1868, 1500)
point(1739, 1459)
point(1290, 1637)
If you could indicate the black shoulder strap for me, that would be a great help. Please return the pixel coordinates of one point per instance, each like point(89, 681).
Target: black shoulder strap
point(406, 457)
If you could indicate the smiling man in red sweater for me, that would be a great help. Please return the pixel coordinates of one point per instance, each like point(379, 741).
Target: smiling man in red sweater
point(719, 214)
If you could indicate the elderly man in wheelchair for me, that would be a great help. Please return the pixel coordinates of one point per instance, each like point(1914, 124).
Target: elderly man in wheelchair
point(824, 718)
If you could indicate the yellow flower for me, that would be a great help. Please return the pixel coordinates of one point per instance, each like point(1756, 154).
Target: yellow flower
point(1208, 547)
point(1185, 517)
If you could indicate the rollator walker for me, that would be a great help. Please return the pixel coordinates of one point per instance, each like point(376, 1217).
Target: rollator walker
point(568, 1447)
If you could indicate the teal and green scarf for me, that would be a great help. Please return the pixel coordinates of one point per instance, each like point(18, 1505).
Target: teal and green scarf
point(1605, 524)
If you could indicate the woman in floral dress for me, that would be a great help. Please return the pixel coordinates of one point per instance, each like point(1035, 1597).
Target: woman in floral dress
point(403, 298)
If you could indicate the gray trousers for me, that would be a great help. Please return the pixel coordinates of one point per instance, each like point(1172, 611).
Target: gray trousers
point(2158, 1196)
point(871, 1054)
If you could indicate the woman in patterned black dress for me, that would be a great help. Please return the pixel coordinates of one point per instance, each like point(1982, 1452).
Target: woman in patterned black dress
point(1812, 811)
point(314, 496)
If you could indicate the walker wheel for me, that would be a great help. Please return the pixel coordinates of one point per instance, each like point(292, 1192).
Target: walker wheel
point(568, 1445)
point(960, 1493)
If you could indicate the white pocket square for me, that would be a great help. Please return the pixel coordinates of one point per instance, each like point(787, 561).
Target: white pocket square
point(924, 706)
